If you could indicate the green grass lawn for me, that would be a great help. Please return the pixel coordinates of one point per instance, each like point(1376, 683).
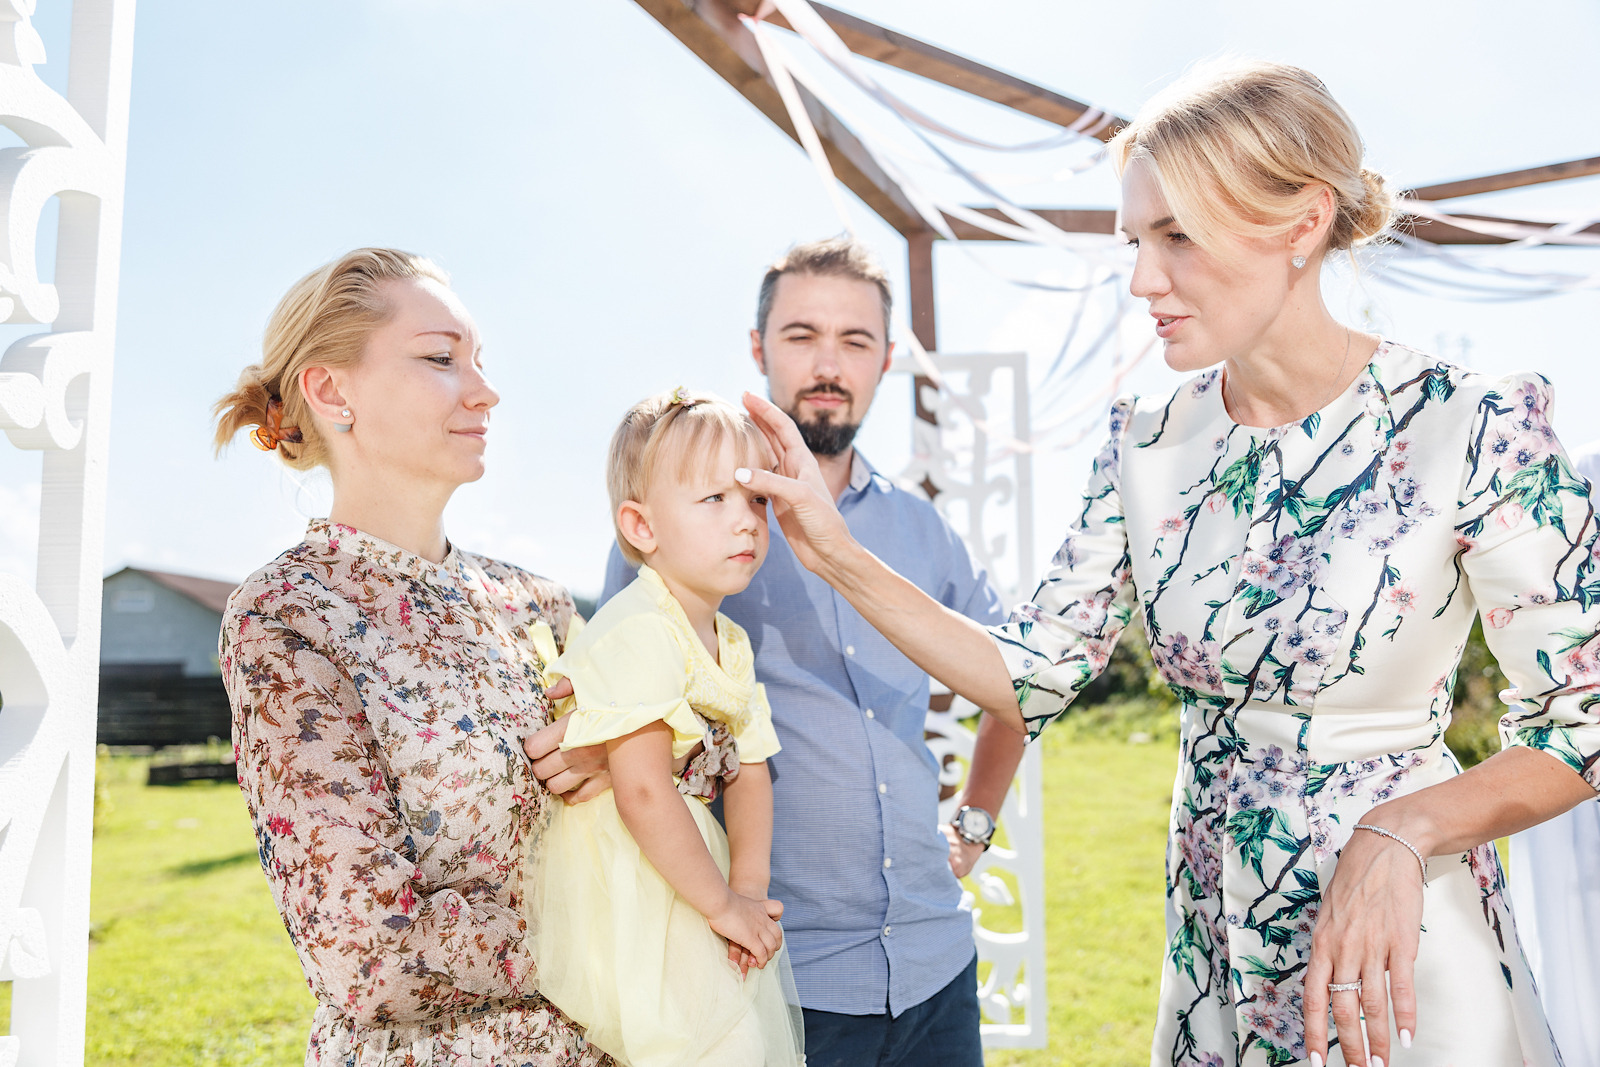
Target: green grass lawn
point(1105, 808)
point(189, 963)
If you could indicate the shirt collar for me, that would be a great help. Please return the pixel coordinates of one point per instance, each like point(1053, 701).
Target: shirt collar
point(864, 475)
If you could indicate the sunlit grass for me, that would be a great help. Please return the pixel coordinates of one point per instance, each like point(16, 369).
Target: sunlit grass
point(1105, 808)
point(189, 962)
point(190, 965)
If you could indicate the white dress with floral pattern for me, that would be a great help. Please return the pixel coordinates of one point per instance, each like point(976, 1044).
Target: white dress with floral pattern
point(1307, 590)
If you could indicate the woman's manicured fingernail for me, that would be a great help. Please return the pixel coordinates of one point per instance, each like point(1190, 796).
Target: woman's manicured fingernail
point(1405, 1039)
point(1316, 1060)
point(742, 475)
point(1377, 1061)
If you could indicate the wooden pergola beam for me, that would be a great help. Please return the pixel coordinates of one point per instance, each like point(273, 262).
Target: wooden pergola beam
point(1443, 233)
point(1072, 220)
point(1511, 179)
point(871, 41)
point(712, 31)
point(1104, 220)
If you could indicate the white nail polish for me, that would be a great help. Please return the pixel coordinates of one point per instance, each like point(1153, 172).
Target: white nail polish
point(1405, 1039)
point(741, 475)
point(1316, 1060)
point(1377, 1061)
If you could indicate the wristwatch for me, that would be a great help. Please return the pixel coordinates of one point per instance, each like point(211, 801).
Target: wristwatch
point(974, 826)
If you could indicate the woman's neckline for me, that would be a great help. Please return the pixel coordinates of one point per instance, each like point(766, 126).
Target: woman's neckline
point(340, 537)
point(1351, 388)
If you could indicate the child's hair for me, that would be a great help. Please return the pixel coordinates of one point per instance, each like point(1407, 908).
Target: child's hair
point(671, 433)
point(323, 320)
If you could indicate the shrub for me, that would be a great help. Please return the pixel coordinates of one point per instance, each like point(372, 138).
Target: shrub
point(1474, 733)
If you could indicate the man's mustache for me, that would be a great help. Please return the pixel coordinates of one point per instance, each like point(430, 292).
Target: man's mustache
point(826, 388)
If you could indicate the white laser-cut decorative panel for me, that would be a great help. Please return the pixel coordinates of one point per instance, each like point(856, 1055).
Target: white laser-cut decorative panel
point(55, 394)
point(986, 493)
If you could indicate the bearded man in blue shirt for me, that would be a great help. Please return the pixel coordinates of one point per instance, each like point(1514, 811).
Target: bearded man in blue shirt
point(882, 950)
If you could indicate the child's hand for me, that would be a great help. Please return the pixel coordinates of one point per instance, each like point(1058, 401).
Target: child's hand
point(736, 952)
point(750, 925)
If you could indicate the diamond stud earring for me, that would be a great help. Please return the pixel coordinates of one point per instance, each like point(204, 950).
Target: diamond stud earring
point(1298, 261)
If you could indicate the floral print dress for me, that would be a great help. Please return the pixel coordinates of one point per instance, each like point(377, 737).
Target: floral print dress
point(380, 701)
point(1307, 590)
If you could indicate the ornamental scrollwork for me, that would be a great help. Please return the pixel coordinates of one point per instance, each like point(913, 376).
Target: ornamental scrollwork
point(54, 399)
point(977, 459)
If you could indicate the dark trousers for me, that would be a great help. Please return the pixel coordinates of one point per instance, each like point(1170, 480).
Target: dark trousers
point(942, 1031)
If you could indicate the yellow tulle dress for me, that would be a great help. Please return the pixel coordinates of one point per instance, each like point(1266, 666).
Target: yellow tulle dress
point(617, 949)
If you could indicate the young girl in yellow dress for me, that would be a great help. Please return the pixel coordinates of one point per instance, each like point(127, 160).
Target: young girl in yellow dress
point(649, 925)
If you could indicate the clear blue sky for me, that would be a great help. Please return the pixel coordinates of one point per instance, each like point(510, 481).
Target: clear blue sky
point(606, 205)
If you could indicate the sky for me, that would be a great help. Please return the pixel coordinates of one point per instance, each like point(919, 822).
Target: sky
point(606, 205)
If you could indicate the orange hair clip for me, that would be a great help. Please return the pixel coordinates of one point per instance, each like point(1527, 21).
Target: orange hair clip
point(270, 434)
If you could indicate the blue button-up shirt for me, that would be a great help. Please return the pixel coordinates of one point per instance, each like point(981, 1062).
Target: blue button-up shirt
point(872, 912)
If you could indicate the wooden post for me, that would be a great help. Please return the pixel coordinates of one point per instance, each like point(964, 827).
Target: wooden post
point(919, 256)
point(919, 260)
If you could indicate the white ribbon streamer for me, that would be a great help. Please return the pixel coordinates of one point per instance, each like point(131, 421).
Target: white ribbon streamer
point(1408, 263)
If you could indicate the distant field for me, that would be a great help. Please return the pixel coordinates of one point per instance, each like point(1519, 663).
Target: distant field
point(190, 964)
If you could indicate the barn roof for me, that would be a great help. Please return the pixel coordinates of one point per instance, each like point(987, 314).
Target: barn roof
point(207, 592)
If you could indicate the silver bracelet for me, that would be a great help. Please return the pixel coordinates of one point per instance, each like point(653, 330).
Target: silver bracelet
point(1391, 835)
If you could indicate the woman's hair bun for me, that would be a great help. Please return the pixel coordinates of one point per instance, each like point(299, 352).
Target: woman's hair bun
point(1372, 216)
point(244, 407)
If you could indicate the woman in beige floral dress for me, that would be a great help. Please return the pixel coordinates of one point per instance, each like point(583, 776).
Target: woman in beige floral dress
point(383, 683)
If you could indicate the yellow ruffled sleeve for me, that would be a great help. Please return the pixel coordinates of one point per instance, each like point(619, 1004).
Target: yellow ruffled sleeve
point(757, 739)
point(626, 676)
point(753, 731)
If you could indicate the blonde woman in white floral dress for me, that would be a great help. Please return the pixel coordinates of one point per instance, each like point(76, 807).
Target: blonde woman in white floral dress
point(1308, 531)
point(383, 683)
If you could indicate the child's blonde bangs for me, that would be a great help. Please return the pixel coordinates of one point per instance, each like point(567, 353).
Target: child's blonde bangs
point(676, 434)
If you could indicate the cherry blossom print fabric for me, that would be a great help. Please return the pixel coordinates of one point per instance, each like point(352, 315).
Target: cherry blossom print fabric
point(1307, 590)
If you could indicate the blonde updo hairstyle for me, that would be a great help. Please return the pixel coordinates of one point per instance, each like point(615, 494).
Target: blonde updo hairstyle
point(670, 435)
point(1247, 148)
point(322, 321)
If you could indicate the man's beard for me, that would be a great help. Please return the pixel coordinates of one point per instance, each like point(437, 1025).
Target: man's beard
point(822, 435)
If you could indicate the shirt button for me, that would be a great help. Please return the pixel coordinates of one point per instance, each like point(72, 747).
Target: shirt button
point(870, 715)
point(887, 862)
point(883, 787)
point(849, 650)
point(886, 930)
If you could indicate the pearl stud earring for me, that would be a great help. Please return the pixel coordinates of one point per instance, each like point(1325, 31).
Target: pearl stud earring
point(1298, 261)
point(343, 427)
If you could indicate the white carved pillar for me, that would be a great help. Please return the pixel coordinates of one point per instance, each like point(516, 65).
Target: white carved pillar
point(55, 395)
point(986, 494)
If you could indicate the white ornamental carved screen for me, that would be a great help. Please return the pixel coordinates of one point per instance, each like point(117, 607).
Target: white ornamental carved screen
point(55, 395)
point(985, 491)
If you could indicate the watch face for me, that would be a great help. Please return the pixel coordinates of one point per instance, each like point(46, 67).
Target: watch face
point(975, 823)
